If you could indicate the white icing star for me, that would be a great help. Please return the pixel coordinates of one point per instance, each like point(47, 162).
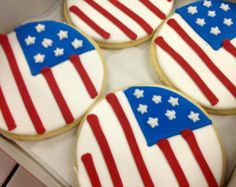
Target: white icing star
point(156, 99)
point(30, 40)
point(173, 101)
point(215, 30)
point(59, 52)
point(171, 114)
point(200, 21)
point(207, 4)
point(224, 7)
point(228, 22)
point(62, 35)
point(47, 43)
point(77, 43)
point(138, 93)
point(192, 10)
point(39, 58)
point(40, 28)
point(142, 108)
point(212, 14)
point(194, 116)
point(153, 122)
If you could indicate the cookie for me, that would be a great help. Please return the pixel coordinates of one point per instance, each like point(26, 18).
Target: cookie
point(195, 51)
point(148, 136)
point(50, 74)
point(117, 24)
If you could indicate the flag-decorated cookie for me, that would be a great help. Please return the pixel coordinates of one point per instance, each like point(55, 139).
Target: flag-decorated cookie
point(148, 136)
point(117, 23)
point(50, 74)
point(195, 51)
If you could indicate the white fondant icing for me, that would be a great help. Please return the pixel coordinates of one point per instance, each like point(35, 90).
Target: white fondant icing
point(15, 104)
point(62, 35)
point(40, 28)
point(212, 13)
point(153, 122)
point(174, 101)
point(117, 36)
point(138, 93)
point(207, 4)
point(30, 40)
point(171, 114)
point(66, 76)
point(215, 30)
point(80, 101)
point(221, 58)
point(77, 43)
point(142, 108)
point(157, 99)
point(212, 150)
point(39, 58)
point(158, 167)
point(228, 21)
point(194, 116)
point(59, 52)
point(47, 43)
point(192, 10)
point(201, 21)
point(225, 7)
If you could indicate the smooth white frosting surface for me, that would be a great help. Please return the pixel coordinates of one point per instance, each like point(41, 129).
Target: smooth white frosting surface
point(117, 36)
point(68, 80)
point(221, 58)
point(158, 167)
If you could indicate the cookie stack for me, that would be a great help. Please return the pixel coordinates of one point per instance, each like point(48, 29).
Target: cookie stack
point(53, 77)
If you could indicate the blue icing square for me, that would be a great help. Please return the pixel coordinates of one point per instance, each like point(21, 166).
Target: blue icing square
point(216, 20)
point(57, 37)
point(156, 102)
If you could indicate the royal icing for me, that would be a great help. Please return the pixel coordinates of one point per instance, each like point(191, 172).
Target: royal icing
point(47, 77)
point(113, 21)
point(141, 141)
point(202, 62)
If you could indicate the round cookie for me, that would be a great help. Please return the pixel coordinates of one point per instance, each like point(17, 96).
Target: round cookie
point(148, 136)
point(117, 23)
point(50, 74)
point(195, 52)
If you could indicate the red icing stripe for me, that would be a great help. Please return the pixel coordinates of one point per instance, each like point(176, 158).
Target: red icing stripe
point(133, 15)
point(164, 145)
point(126, 126)
point(193, 74)
point(90, 22)
point(11, 125)
point(188, 135)
point(48, 75)
point(75, 60)
point(87, 159)
point(105, 149)
point(154, 9)
point(21, 86)
point(229, 47)
point(113, 19)
point(220, 75)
